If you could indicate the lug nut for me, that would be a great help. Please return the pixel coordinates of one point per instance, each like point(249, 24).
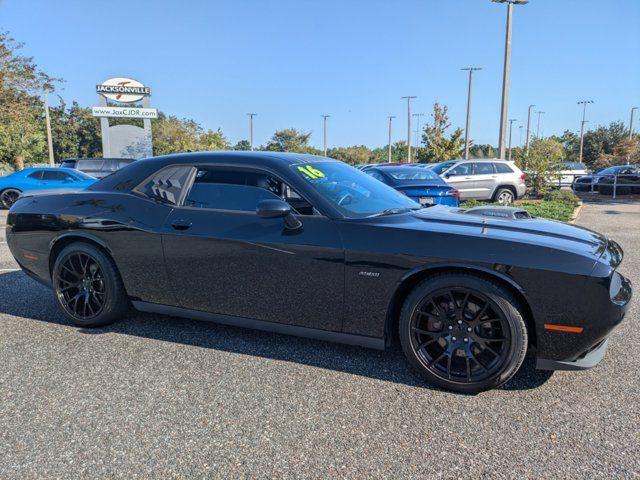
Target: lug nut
point(450, 327)
point(468, 329)
point(453, 338)
point(466, 339)
point(459, 322)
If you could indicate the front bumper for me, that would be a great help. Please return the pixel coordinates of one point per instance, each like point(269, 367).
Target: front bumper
point(589, 360)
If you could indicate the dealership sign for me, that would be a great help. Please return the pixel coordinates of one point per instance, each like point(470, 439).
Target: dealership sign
point(123, 90)
point(124, 112)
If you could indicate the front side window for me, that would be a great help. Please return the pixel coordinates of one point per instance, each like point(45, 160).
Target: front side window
point(37, 175)
point(441, 167)
point(352, 192)
point(241, 190)
point(462, 169)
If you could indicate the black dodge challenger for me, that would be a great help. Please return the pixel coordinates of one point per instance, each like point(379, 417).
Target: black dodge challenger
point(309, 246)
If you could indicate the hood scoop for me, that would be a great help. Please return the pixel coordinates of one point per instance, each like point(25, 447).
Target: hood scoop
point(510, 213)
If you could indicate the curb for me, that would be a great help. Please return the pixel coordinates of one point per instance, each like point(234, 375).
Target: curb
point(576, 213)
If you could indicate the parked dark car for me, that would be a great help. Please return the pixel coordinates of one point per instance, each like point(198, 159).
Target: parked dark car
point(309, 246)
point(96, 167)
point(419, 184)
point(626, 182)
point(586, 182)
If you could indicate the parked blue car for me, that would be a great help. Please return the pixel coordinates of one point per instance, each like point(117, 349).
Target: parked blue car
point(31, 179)
point(419, 184)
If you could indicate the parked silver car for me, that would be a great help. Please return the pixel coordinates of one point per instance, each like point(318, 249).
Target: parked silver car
point(480, 179)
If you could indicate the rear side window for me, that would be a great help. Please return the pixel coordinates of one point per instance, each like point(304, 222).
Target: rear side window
point(483, 168)
point(375, 175)
point(68, 164)
point(37, 175)
point(168, 185)
point(502, 168)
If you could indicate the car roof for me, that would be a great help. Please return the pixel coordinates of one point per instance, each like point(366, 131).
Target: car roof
point(135, 172)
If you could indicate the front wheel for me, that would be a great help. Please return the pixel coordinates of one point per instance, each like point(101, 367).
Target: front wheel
point(9, 196)
point(88, 286)
point(463, 332)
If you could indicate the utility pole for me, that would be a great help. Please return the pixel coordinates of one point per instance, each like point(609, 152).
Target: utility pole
point(584, 114)
point(631, 123)
point(251, 115)
point(511, 120)
point(45, 94)
point(324, 117)
point(506, 73)
point(390, 117)
point(409, 97)
point(417, 115)
point(469, 95)
point(520, 127)
point(538, 127)
point(528, 126)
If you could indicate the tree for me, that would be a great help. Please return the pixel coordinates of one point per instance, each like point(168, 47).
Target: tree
point(213, 141)
point(75, 132)
point(438, 147)
point(21, 86)
point(242, 145)
point(602, 141)
point(571, 143)
point(398, 153)
point(291, 140)
point(175, 135)
point(355, 155)
point(539, 162)
point(482, 151)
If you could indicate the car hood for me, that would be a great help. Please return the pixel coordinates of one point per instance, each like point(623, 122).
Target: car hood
point(531, 231)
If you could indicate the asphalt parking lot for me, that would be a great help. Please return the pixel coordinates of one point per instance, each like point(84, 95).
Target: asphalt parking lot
point(163, 397)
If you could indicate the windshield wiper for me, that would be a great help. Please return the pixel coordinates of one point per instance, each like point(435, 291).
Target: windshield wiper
point(394, 211)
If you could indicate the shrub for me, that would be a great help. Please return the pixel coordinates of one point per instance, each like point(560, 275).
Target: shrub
point(562, 196)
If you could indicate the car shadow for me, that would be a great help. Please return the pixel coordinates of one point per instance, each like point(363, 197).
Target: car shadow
point(36, 302)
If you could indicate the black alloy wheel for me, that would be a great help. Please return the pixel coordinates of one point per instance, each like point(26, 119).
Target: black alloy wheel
point(463, 332)
point(8, 197)
point(88, 286)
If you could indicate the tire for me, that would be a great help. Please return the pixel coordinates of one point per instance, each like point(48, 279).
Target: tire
point(8, 197)
point(88, 286)
point(504, 196)
point(463, 346)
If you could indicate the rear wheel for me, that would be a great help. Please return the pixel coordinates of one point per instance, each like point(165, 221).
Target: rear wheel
point(463, 332)
point(88, 286)
point(504, 196)
point(9, 196)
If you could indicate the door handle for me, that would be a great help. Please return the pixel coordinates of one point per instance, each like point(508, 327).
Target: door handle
point(467, 178)
point(494, 176)
point(181, 224)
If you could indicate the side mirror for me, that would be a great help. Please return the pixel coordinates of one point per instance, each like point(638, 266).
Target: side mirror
point(278, 209)
point(447, 175)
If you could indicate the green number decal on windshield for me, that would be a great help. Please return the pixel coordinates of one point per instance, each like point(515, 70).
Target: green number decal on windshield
point(310, 172)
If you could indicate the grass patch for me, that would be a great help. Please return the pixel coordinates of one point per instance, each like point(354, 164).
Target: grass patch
point(552, 209)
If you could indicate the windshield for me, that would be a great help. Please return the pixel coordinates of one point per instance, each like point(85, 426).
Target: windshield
point(352, 192)
point(441, 167)
point(411, 173)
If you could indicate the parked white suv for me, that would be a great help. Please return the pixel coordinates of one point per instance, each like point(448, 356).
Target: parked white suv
point(491, 179)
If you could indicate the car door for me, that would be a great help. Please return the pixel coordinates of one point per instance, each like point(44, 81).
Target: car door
point(222, 258)
point(461, 178)
point(485, 180)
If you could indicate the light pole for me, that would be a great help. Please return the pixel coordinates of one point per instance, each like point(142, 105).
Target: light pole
point(390, 117)
point(251, 115)
point(538, 127)
point(417, 115)
point(520, 127)
point(45, 94)
point(324, 119)
point(506, 72)
point(409, 97)
point(584, 114)
point(528, 126)
point(631, 123)
point(469, 95)
point(511, 120)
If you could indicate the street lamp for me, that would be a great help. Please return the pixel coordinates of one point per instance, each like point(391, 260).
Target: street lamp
point(511, 120)
point(469, 93)
point(390, 117)
point(417, 115)
point(409, 97)
point(538, 127)
point(528, 126)
point(324, 119)
point(631, 123)
point(251, 115)
point(584, 113)
point(506, 72)
point(520, 127)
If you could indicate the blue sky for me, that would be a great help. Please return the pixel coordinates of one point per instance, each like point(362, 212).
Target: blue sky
point(292, 61)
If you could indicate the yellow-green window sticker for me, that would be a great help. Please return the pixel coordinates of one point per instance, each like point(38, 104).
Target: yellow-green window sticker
point(311, 172)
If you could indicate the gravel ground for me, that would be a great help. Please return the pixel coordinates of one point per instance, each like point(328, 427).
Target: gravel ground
point(162, 397)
